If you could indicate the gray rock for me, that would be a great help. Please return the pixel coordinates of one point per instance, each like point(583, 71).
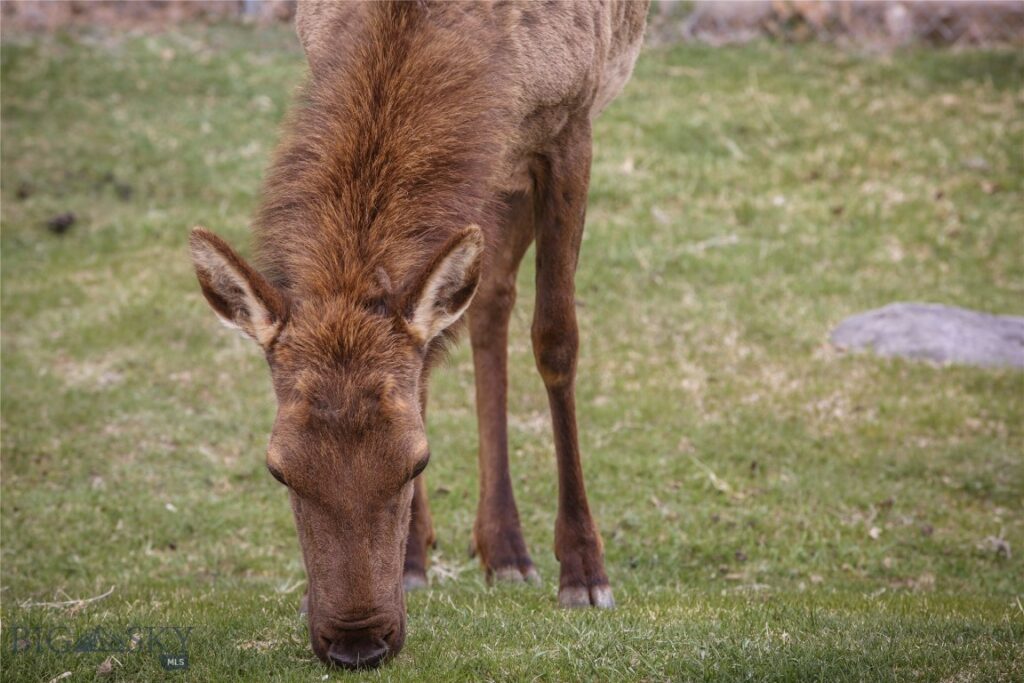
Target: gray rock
point(942, 334)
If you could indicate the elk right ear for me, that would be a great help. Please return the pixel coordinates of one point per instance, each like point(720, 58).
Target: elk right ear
point(238, 294)
point(447, 286)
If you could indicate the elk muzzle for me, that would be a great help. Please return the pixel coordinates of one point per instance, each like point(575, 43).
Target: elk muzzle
point(359, 645)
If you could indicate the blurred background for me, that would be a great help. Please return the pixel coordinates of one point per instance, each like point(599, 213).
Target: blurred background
point(862, 22)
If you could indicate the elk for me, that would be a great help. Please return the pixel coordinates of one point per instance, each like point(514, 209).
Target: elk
point(429, 147)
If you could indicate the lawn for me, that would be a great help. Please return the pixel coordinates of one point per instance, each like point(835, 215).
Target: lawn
point(772, 509)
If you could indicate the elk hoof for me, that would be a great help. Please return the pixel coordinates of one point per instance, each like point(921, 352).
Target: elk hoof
point(581, 596)
point(414, 581)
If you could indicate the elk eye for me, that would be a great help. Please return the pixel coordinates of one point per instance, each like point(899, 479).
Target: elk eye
point(276, 474)
point(421, 465)
point(378, 306)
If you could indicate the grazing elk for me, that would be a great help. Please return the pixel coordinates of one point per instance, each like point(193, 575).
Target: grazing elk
point(430, 146)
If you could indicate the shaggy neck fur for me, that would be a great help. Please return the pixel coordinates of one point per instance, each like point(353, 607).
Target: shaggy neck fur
point(389, 151)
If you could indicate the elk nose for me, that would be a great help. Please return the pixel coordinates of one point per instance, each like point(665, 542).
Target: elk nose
point(357, 656)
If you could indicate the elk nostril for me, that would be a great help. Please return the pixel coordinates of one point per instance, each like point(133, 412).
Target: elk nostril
point(368, 656)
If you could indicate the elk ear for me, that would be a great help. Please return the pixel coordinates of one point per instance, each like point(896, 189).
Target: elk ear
point(447, 286)
point(241, 297)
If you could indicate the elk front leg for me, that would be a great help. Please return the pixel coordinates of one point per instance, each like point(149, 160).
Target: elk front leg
point(497, 535)
point(421, 527)
point(421, 538)
point(555, 337)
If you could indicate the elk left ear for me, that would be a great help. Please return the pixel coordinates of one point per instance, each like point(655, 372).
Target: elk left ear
point(447, 286)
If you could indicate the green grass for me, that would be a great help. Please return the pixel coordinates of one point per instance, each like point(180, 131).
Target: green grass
point(772, 509)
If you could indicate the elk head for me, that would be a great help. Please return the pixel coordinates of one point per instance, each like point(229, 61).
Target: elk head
point(349, 438)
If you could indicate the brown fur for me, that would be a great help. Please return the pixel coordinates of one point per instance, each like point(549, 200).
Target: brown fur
point(419, 123)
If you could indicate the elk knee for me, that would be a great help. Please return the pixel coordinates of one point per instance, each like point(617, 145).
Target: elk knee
point(499, 296)
point(490, 311)
point(555, 346)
